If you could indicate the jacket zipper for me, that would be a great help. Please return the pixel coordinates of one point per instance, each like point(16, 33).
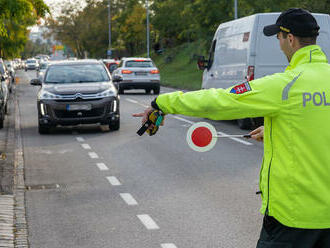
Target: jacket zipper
point(270, 163)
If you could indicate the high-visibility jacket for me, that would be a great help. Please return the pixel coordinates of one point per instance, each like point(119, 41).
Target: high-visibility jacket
point(295, 104)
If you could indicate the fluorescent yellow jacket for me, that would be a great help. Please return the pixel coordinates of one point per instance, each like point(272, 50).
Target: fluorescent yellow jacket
point(295, 104)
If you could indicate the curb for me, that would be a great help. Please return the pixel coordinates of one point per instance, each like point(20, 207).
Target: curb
point(20, 224)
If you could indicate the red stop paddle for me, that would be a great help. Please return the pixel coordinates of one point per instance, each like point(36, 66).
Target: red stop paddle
point(202, 136)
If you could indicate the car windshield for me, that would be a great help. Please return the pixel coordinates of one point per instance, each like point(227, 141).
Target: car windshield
point(83, 73)
point(31, 61)
point(142, 63)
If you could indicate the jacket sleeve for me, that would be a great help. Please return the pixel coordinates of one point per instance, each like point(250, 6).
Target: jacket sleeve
point(261, 97)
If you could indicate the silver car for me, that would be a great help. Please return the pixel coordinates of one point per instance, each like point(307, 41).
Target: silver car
point(137, 73)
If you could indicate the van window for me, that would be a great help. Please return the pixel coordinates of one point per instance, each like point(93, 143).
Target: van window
point(211, 56)
point(232, 49)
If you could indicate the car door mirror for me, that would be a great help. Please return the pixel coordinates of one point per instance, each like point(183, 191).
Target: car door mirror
point(201, 63)
point(117, 79)
point(35, 82)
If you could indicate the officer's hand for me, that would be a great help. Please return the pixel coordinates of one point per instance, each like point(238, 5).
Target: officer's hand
point(258, 134)
point(144, 114)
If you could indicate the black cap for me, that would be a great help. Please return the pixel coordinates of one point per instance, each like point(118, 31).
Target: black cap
point(298, 22)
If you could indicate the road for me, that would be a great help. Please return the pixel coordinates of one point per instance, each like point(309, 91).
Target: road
point(88, 187)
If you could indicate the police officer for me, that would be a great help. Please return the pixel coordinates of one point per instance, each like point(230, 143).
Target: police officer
point(295, 104)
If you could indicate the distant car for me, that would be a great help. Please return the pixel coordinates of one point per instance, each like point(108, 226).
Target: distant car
point(137, 73)
point(111, 64)
point(42, 69)
point(77, 92)
point(31, 64)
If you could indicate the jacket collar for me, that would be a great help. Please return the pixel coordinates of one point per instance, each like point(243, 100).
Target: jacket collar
point(307, 54)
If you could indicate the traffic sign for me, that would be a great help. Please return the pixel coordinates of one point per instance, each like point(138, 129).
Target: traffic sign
point(109, 52)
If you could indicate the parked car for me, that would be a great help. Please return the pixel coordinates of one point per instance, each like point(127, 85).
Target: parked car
point(31, 64)
point(137, 73)
point(241, 52)
point(3, 107)
point(12, 72)
point(77, 92)
point(6, 82)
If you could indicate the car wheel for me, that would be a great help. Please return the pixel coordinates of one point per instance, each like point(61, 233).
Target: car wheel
point(42, 129)
point(156, 91)
point(148, 91)
point(245, 123)
point(114, 125)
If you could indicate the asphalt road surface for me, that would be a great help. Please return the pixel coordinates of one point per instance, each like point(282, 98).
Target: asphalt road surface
point(88, 187)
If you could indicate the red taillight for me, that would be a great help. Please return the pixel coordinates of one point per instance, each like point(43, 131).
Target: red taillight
point(140, 60)
point(126, 72)
point(250, 73)
point(154, 72)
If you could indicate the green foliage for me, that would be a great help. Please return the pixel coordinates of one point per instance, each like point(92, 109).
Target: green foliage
point(15, 17)
point(173, 22)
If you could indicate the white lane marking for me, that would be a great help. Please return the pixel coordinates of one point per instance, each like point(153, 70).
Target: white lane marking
point(93, 155)
point(168, 245)
point(86, 146)
point(183, 119)
point(102, 166)
point(136, 102)
point(131, 100)
point(237, 139)
point(80, 139)
point(113, 181)
point(148, 222)
point(128, 198)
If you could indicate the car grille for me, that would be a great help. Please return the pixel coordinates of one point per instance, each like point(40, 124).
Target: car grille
point(96, 112)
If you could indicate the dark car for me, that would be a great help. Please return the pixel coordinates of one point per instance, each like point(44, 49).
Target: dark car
point(77, 92)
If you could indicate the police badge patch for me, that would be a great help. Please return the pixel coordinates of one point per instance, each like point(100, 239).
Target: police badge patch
point(241, 88)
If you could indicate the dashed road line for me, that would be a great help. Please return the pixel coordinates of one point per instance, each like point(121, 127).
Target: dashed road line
point(102, 166)
point(131, 100)
point(148, 222)
point(113, 181)
point(93, 155)
point(128, 198)
point(168, 245)
point(86, 146)
point(80, 139)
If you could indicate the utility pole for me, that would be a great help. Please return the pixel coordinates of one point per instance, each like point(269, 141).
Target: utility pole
point(109, 52)
point(148, 45)
point(235, 6)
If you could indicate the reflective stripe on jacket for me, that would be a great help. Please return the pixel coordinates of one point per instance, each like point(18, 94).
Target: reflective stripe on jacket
point(295, 104)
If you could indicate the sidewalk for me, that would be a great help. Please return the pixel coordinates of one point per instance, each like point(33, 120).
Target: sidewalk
point(13, 227)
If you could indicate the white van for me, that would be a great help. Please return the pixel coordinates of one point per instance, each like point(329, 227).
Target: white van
point(240, 52)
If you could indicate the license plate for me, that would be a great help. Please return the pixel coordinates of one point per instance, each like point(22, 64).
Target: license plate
point(73, 107)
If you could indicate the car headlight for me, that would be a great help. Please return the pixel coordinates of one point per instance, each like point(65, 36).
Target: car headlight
point(106, 93)
point(45, 95)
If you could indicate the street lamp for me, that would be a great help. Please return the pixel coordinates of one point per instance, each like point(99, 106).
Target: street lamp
point(147, 5)
point(235, 6)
